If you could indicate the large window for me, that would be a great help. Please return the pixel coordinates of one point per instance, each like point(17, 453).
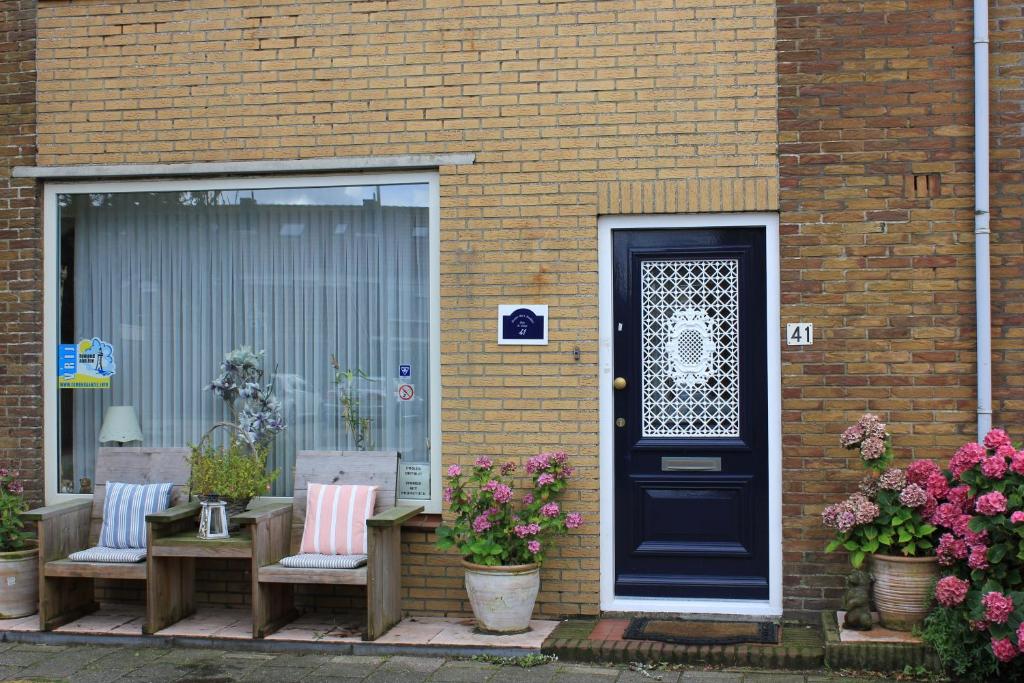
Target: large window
point(174, 275)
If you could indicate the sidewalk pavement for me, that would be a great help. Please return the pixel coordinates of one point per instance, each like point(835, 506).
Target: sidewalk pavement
point(99, 664)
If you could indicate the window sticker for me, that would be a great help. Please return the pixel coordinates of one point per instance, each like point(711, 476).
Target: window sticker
point(89, 364)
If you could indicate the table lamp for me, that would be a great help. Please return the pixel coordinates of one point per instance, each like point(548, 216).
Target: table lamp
point(120, 424)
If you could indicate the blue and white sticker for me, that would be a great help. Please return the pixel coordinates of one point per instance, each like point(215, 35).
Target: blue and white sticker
point(405, 371)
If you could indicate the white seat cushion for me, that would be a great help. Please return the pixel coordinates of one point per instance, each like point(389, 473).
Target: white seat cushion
point(317, 561)
point(102, 554)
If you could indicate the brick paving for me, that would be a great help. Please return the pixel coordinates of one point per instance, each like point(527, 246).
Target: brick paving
point(89, 664)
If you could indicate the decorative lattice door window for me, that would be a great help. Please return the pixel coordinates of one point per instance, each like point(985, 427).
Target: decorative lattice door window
point(690, 375)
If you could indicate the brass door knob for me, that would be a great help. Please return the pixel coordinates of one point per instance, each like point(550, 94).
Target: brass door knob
point(619, 383)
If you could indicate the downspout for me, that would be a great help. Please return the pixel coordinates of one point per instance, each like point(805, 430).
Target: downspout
point(982, 275)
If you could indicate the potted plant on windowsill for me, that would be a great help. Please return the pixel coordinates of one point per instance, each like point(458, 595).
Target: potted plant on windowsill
point(19, 554)
point(502, 537)
point(236, 471)
point(889, 520)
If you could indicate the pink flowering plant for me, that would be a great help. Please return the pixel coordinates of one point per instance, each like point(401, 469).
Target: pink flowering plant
point(891, 513)
point(495, 524)
point(12, 507)
point(978, 626)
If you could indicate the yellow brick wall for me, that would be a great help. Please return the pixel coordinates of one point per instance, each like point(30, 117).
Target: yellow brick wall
point(572, 108)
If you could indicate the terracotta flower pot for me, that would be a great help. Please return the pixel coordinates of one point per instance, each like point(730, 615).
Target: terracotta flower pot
point(903, 589)
point(502, 597)
point(19, 582)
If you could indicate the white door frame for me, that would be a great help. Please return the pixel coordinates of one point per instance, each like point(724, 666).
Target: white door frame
point(772, 607)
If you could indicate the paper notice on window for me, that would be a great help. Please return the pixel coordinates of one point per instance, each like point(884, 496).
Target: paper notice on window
point(89, 364)
point(414, 481)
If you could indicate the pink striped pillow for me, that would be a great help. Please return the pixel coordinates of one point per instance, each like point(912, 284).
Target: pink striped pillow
point(336, 519)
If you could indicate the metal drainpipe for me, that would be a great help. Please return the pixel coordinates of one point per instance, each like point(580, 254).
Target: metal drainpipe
point(982, 275)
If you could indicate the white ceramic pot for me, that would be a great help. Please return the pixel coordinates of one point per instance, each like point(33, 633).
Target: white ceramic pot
point(903, 589)
point(19, 583)
point(502, 597)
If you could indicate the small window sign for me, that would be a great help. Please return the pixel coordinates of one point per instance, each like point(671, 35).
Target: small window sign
point(799, 334)
point(523, 324)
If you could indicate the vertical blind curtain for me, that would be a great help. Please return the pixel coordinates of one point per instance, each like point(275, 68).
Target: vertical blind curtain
point(175, 287)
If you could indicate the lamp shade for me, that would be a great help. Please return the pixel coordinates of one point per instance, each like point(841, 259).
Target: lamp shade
point(121, 424)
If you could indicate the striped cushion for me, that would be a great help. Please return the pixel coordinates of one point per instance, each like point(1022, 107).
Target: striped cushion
point(316, 561)
point(101, 554)
point(336, 519)
point(125, 509)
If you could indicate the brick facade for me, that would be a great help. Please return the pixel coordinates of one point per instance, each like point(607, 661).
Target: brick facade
point(852, 119)
point(877, 203)
point(21, 418)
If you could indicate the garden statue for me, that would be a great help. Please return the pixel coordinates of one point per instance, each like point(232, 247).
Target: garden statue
point(857, 601)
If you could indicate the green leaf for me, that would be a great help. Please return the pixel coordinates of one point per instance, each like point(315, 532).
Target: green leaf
point(857, 559)
point(834, 544)
point(851, 545)
point(976, 524)
point(925, 530)
point(996, 553)
point(870, 532)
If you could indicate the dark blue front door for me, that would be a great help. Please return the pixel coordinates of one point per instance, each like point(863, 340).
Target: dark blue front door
point(691, 434)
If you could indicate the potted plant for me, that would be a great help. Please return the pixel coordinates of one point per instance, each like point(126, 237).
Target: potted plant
point(889, 521)
point(502, 536)
point(236, 471)
point(19, 554)
point(978, 626)
point(355, 422)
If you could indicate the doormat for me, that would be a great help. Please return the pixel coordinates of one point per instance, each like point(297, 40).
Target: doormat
point(683, 632)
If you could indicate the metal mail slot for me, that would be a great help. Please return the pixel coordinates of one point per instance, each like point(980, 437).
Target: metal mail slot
point(691, 464)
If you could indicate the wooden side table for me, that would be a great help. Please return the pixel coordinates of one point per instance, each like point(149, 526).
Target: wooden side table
point(170, 590)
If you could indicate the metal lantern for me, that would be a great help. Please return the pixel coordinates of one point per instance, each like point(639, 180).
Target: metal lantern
point(213, 519)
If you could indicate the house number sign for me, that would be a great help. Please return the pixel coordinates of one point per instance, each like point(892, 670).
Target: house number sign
point(799, 334)
point(524, 324)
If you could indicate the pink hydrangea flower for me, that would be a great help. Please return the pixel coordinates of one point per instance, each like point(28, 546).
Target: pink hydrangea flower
point(528, 498)
point(951, 591)
point(1017, 517)
point(1005, 451)
point(481, 524)
point(966, 457)
point(454, 470)
point(503, 493)
point(574, 520)
point(545, 479)
point(919, 471)
point(937, 486)
point(538, 463)
point(893, 479)
point(1020, 636)
point(852, 435)
point(16, 487)
point(951, 549)
point(959, 496)
point(913, 496)
point(945, 515)
point(998, 607)
point(996, 438)
point(1003, 649)
point(978, 558)
point(447, 494)
point(550, 510)
point(491, 486)
point(872, 448)
point(994, 467)
point(508, 468)
point(1017, 462)
point(991, 503)
point(533, 546)
point(484, 463)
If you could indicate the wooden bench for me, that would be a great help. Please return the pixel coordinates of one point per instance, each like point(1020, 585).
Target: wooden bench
point(66, 589)
point(276, 532)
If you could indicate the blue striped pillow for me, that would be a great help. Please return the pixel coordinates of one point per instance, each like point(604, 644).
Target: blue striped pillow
point(125, 509)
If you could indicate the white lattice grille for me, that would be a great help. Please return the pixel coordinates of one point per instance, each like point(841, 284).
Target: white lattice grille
point(690, 347)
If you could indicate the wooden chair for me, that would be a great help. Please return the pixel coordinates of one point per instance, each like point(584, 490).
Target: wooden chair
point(276, 532)
point(66, 587)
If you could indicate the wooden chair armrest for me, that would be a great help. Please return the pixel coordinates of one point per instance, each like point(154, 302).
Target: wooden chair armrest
point(262, 512)
point(174, 514)
point(51, 511)
point(395, 516)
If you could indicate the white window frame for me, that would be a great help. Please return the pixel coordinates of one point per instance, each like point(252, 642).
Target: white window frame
point(51, 250)
point(610, 602)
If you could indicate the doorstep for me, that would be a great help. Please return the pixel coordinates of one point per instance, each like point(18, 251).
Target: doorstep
point(232, 629)
point(601, 640)
point(879, 649)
